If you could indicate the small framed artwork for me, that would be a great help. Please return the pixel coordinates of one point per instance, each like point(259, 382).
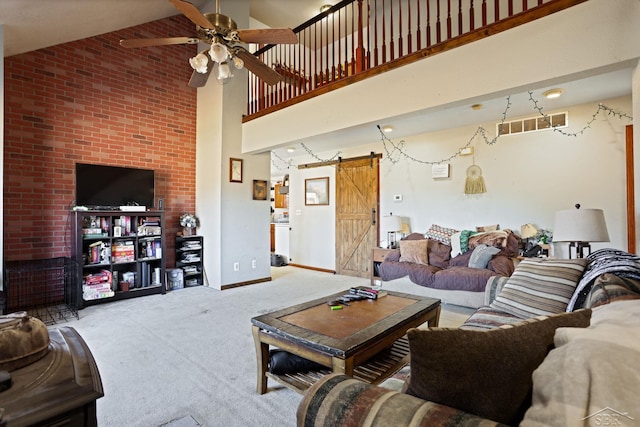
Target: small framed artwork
point(316, 191)
point(440, 170)
point(235, 170)
point(259, 189)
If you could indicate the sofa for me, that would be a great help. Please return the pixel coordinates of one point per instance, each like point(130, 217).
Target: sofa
point(566, 358)
point(451, 267)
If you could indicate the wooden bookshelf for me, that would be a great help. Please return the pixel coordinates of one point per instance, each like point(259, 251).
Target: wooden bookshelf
point(121, 254)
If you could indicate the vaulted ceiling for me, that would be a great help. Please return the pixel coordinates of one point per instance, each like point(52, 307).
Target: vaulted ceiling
point(33, 24)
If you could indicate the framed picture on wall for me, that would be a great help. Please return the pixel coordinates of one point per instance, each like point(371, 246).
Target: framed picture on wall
point(235, 170)
point(260, 189)
point(316, 191)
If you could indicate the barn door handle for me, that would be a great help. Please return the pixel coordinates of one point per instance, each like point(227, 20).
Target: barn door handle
point(373, 216)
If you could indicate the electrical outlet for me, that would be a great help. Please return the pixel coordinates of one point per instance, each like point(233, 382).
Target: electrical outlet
point(236, 266)
point(253, 264)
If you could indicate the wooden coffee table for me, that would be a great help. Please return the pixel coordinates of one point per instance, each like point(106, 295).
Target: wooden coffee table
point(365, 340)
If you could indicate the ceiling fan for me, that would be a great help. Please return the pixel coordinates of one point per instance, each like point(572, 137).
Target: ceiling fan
point(222, 33)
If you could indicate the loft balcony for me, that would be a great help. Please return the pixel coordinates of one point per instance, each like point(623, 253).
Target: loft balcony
point(358, 39)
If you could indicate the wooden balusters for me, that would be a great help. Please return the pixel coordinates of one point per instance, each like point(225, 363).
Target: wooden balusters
point(356, 35)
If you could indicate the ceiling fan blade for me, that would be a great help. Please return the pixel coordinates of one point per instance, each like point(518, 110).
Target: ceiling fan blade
point(191, 12)
point(200, 79)
point(268, 36)
point(157, 42)
point(259, 68)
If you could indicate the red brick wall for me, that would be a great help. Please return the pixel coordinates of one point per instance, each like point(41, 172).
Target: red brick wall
point(92, 101)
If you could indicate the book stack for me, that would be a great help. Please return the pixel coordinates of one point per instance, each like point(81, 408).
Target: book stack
point(149, 226)
point(96, 286)
point(98, 253)
point(367, 292)
point(191, 245)
point(123, 251)
point(151, 248)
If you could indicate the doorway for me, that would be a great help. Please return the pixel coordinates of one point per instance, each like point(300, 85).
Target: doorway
point(357, 214)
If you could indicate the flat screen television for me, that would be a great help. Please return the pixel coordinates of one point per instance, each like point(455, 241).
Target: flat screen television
point(112, 186)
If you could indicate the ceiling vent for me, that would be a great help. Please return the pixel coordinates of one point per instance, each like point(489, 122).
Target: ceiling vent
point(533, 124)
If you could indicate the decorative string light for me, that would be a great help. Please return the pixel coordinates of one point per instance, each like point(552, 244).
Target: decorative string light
point(308, 150)
point(400, 153)
point(601, 108)
point(396, 152)
point(287, 163)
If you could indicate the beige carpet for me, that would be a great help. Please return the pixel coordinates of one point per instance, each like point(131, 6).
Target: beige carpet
point(187, 358)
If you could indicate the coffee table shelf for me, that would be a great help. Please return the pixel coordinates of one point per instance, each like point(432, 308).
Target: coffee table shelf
point(366, 340)
point(374, 371)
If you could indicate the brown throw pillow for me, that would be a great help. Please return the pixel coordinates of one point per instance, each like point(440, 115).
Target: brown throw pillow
point(486, 373)
point(414, 251)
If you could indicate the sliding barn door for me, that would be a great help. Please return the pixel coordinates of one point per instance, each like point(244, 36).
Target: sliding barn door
point(357, 194)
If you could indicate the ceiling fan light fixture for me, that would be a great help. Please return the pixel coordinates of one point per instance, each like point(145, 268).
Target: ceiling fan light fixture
point(239, 63)
point(218, 52)
point(199, 63)
point(224, 71)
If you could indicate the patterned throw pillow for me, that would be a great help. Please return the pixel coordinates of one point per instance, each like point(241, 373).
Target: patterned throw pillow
point(414, 251)
point(442, 234)
point(540, 286)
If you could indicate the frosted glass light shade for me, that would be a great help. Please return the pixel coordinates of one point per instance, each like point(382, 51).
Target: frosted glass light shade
point(580, 225)
point(199, 63)
point(218, 52)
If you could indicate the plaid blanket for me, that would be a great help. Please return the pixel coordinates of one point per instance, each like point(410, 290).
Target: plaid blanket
point(607, 260)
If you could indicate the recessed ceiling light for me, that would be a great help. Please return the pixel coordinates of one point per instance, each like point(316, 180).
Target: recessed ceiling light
point(325, 7)
point(476, 107)
point(291, 150)
point(387, 128)
point(553, 93)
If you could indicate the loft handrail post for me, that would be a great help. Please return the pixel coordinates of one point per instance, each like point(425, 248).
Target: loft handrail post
point(360, 48)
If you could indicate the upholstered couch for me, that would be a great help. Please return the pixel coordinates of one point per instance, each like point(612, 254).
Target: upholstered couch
point(575, 366)
point(441, 268)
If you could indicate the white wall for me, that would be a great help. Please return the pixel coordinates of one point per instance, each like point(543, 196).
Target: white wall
point(312, 238)
point(235, 227)
point(528, 178)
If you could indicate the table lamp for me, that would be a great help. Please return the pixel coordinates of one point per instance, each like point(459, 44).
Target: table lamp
point(579, 227)
point(391, 224)
point(527, 231)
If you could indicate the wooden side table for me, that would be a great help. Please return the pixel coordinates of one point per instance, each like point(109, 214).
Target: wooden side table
point(60, 389)
point(377, 256)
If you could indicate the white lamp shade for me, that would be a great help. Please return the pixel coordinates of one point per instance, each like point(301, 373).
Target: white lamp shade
point(580, 225)
point(391, 223)
point(527, 231)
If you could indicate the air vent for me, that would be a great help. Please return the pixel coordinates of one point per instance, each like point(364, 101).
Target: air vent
point(533, 124)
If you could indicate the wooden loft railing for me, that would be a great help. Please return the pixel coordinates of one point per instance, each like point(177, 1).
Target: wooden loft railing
point(357, 39)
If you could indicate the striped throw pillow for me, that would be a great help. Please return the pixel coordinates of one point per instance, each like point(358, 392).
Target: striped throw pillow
point(540, 286)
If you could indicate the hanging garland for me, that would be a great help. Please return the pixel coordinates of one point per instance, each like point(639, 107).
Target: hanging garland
point(287, 164)
point(397, 152)
point(601, 107)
